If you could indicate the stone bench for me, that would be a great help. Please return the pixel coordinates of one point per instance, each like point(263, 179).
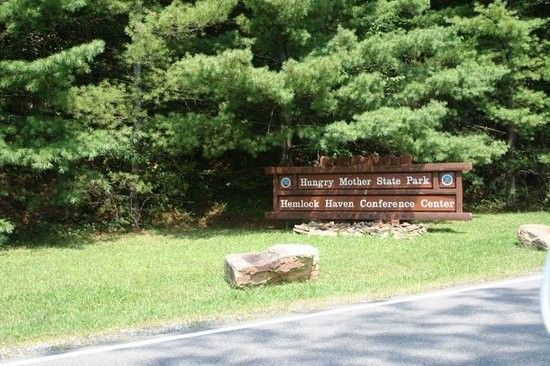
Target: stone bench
point(280, 263)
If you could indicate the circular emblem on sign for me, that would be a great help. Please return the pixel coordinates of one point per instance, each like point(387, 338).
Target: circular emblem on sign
point(286, 182)
point(447, 179)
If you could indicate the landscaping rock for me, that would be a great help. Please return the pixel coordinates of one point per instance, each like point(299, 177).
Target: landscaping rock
point(280, 263)
point(535, 235)
point(380, 229)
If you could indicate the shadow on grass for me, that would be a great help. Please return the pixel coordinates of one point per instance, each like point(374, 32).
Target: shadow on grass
point(212, 232)
point(47, 236)
point(228, 224)
point(445, 230)
point(69, 238)
point(59, 236)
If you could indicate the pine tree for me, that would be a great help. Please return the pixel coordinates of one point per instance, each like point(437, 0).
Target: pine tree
point(517, 109)
point(46, 153)
point(153, 104)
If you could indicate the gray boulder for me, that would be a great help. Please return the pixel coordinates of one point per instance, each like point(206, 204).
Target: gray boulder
point(280, 263)
point(535, 235)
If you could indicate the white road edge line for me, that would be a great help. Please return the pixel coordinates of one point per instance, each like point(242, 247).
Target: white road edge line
point(257, 324)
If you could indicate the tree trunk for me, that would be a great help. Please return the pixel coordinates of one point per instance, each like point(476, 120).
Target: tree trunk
point(286, 157)
point(511, 156)
point(135, 206)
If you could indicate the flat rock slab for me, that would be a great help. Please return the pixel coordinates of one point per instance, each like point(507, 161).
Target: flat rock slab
point(535, 235)
point(280, 263)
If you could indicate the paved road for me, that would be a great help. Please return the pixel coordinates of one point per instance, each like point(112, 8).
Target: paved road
point(491, 324)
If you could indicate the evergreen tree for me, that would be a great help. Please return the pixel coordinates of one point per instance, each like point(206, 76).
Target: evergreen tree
point(517, 110)
point(120, 108)
point(46, 154)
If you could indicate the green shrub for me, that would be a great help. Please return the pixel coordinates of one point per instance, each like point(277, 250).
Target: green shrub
point(5, 229)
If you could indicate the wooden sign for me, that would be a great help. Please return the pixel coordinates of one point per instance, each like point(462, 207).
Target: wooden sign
point(369, 191)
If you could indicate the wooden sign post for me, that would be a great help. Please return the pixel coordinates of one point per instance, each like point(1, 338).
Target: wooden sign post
point(369, 192)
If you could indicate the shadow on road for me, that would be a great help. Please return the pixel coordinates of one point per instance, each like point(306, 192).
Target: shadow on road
point(409, 333)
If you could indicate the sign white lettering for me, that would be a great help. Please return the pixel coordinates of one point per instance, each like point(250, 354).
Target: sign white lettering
point(338, 204)
point(437, 204)
point(418, 181)
point(299, 204)
point(356, 181)
point(318, 183)
point(383, 181)
point(386, 204)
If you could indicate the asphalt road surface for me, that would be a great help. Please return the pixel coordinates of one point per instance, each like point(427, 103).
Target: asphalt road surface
point(491, 324)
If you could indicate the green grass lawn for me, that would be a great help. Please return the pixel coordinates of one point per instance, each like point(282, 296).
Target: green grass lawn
point(81, 287)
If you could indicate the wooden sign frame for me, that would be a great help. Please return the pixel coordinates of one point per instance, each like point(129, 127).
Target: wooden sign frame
point(369, 192)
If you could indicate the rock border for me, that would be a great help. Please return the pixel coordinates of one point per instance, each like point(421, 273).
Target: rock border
point(383, 230)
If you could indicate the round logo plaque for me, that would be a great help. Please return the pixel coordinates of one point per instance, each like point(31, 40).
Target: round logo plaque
point(286, 182)
point(447, 179)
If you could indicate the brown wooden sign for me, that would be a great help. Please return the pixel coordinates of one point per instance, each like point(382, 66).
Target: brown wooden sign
point(369, 192)
point(368, 203)
point(365, 181)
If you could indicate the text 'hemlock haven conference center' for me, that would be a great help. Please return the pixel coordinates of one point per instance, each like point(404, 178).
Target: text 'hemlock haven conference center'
point(393, 191)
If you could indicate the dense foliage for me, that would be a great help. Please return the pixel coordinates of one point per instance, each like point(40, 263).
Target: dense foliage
point(136, 111)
